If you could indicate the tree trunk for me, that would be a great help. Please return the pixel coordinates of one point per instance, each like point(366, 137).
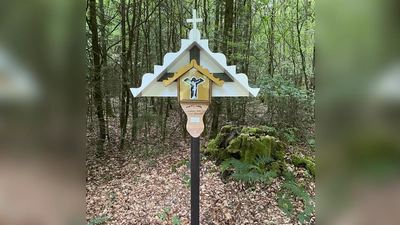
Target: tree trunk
point(216, 25)
point(272, 41)
point(98, 95)
point(228, 23)
point(205, 11)
point(136, 81)
point(215, 109)
point(125, 79)
point(313, 69)
point(303, 60)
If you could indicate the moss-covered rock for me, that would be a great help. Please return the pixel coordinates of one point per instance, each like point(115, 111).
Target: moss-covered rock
point(252, 130)
point(270, 130)
point(310, 159)
point(297, 161)
point(274, 166)
point(213, 146)
point(278, 166)
point(249, 147)
point(311, 168)
point(307, 162)
point(245, 144)
point(226, 129)
point(278, 150)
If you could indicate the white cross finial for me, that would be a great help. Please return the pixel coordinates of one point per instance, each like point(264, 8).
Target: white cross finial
point(195, 20)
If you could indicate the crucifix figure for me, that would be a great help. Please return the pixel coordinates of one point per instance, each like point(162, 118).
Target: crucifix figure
point(195, 20)
point(194, 84)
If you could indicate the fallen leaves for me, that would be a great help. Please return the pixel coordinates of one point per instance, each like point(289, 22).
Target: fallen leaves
point(129, 191)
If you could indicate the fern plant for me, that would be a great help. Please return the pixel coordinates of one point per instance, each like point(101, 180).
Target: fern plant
point(290, 188)
point(263, 160)
point(247, 172)
point(97, 220)
point(176, 221)
point(163, 215)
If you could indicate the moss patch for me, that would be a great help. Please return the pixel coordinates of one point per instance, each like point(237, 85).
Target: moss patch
point(226, 129)
point(181, 163)
point(246, 144)
point(252, 130)
point(278, 150)
point(307, 162)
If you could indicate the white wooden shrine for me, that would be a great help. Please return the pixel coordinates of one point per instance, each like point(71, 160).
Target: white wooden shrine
point(194, 75)
point(235, 85)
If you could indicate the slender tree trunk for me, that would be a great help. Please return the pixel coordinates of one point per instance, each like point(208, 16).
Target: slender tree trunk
point(98, 95)
point(205, 11)
point(272, 41)
point(228, 23)
point(313, 69)
point(104, 64)
point(303, 60)
point(215, 118)
point(136, 83)
point(124, 68)
point(104, 60)
point(297, 79)
point(249, 32)
point(214, 111)
point(216, 25)
point(164, 129)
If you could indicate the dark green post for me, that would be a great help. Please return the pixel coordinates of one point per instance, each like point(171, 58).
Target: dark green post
point(195, 180)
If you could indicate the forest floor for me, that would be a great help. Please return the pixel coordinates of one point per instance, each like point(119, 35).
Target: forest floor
point(141, 187)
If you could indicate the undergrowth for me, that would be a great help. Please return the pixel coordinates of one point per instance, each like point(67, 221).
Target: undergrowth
point(289, 192)
point(250, 173)
point(97, 220)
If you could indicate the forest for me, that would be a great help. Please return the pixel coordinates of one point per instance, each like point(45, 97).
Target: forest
point(138, 149)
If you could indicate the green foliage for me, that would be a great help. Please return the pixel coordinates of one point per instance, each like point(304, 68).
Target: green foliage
point(289, 135)
point(97, 220)
point(285, 203)
point(181, 163)
point(212, 170)
point(247, 172)
point(263, 160)
point(289, 191)
point(311, 143)
point(307, 162)
point(290, 108)
point(163, 215)
point(253, 143)
point(270, 130)
point(253, 177)
point(151, 163)
point(277, 151)
point(111, 196)
point(238, 166)
point(252, 130)
point(186, 181)
point(176, 221)
point(226, 129)
point(173, 168)
point(289, 176)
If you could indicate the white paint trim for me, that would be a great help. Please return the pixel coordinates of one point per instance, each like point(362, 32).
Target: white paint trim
point(216, 62)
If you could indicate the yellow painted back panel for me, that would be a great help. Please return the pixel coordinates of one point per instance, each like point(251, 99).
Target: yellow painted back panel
point(194, 87)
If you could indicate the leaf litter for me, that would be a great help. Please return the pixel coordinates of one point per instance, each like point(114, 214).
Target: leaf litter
point(127, 189)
